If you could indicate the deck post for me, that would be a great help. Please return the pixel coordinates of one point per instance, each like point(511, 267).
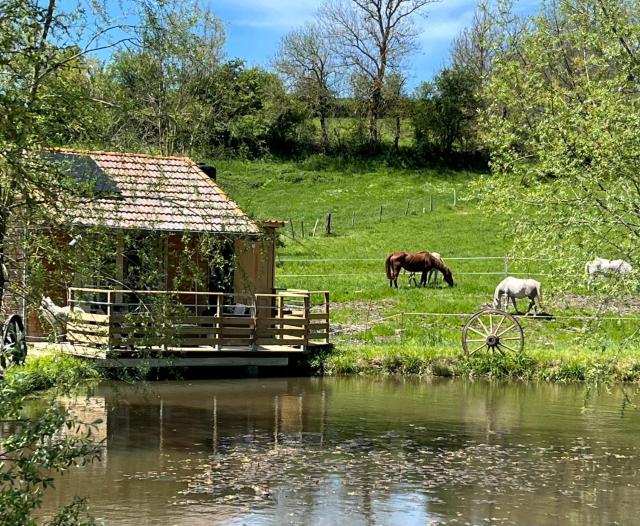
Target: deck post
point(218, 323)
point(326, 311)
point(307, 320)
point(280, 325)
point(109, 320)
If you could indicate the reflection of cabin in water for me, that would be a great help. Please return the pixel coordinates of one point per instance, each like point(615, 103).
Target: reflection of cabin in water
point(283, 413)
point(173, 207)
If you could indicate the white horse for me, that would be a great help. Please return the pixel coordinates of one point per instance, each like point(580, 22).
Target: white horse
point(56, 316)
point(514, 288)
point(432, 273)
point(601, 266)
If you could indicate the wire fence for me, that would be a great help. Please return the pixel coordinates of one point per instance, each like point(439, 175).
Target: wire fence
point(338, 218)
point(399, 324)
point(506, 267)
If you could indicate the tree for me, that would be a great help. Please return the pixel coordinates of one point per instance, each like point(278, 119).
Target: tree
point(163, 90)
point(308, 66)
point(474, 48)
point(396, 104)
point(563, 129)
point(445, 110)
point(39, 47)
point(371, 39)
point(37, 444)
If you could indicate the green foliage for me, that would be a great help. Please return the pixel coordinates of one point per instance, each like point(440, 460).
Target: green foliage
point(160, 92)
point(38, 442)
point(445, 112)
point(45, 372)
point(563, 130)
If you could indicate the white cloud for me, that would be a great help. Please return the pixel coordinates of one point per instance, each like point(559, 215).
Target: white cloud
point(445, 20)
point(277, 14)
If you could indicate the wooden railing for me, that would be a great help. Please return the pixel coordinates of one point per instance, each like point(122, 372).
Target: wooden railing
point(124, 319)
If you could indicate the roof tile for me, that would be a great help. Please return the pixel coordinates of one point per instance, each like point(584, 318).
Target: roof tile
point(161, 193)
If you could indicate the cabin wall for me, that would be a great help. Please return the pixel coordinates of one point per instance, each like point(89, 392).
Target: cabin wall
point(255, 265)
point(254, 272)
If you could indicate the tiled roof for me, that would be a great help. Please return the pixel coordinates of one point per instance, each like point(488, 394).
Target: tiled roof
point(157, 193)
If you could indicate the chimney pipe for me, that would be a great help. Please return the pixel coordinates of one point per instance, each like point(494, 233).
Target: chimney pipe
point(208, 169)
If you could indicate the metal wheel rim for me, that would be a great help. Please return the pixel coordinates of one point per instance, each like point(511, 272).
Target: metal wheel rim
point(492, 330)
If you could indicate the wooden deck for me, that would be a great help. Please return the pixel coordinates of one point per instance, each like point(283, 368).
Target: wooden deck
point(203, 328)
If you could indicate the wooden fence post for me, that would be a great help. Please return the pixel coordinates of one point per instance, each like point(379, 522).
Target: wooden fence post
point(406, 212)
point(293, 232)
point(302, 228)
point(506, 266)
point(454, 198)
point(328, 224)
point(381, 213)
point(313, 234)
point(353, 218)
point(430, 203)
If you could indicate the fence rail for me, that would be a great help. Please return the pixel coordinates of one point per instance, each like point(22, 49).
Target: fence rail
point(506, 269)
point(168, 320)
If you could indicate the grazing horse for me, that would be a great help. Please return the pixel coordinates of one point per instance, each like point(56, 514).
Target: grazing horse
point(432, 275)
point(514, 288)
point(606, 266)
point(423, 262)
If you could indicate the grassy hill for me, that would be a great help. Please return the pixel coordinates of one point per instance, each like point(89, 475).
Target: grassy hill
point(418, 213)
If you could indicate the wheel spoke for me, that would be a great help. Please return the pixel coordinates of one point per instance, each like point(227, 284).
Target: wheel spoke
point(507, 347)
point(511, 338)
point(477, 349)
point(486, 331)
point(475, 341)
point(500, 324)
point(506, 330)
point(491, 322)
point(476, 331)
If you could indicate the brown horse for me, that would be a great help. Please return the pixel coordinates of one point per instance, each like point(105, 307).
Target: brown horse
point(419, 262)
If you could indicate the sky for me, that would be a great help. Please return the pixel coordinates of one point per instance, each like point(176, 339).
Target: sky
point(255, 27)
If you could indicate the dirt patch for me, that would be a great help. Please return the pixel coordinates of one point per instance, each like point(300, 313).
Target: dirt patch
point(362, 315)
point(594, 304)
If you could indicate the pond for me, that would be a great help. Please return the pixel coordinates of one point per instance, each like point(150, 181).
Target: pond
point(358, 451)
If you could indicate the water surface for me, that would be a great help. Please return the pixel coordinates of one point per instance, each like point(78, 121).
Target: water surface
point(358, 451)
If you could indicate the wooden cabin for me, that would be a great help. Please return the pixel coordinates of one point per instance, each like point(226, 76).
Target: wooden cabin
point(176, 206)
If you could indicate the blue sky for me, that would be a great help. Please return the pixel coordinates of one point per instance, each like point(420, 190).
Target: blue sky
point(254, 28)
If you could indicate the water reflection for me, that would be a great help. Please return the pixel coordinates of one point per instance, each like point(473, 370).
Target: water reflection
point(363, 451)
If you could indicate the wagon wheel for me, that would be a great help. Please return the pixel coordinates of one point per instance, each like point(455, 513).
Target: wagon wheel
point(492, 330)
point(13, 346)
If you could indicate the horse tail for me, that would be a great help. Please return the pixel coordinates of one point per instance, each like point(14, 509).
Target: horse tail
point(387, 266)
point(539, 293)
point(496, 298)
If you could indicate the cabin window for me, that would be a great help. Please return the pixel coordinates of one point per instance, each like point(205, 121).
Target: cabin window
point(220, 259)
point(144, 261)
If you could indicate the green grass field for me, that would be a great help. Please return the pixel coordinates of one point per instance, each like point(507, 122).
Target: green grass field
point(418, 213)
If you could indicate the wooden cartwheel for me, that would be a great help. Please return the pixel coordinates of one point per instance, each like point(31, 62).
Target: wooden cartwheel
point(13, 345)
point(492, 330)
